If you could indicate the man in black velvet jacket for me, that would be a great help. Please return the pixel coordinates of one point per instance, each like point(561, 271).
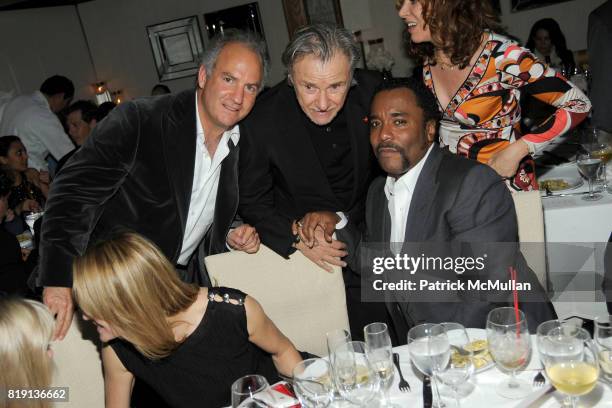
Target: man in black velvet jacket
point(305, 159)
point(165, 167)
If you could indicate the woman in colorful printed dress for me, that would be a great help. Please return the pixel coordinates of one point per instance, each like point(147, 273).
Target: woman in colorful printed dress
point(478, 77)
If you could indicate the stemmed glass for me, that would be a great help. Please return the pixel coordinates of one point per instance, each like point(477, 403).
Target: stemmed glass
point(380, 355)
point(510, 347)
point(245, 387)
point(460, 365)
point(589, 166)
point(567, 327)
point(429, 351)
point(571, 363)
point(603, 338)
point(353, 373)
point(599, 148)
point(336, 338)
point(313, 383)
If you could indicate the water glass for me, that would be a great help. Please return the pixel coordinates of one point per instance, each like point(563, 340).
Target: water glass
point(571, 363)
point(429, 351)
point(510, 347)
point(603, 339)
point(245, 387)
point(589, 166)
point(313, 383)
point(353, 374)
point(380, 355)
point(460, 366)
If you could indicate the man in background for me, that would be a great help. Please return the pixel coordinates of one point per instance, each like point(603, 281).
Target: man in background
point(33, 119)
point(600, 61)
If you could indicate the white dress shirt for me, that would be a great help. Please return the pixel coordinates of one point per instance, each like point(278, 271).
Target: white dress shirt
point(399, 196)
point(204, 190)
point(30, 118)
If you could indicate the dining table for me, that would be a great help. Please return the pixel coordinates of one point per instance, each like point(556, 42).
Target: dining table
point(480, 390)
point(576, 234)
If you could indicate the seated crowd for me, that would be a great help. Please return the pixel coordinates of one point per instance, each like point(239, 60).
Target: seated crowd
point(136, 201)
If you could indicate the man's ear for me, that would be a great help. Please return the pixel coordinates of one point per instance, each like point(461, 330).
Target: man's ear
point(289, 78)
point(431, 128)
point(201, 76)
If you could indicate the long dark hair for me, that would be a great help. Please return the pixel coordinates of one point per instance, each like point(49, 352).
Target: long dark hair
point(5, 144)
point(554, 31)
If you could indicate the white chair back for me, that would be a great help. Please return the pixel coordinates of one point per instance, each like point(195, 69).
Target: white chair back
point(530, 217)
point(304, 301)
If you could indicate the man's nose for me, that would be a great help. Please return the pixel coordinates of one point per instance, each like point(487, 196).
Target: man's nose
point(238, 95)
point(322, 101)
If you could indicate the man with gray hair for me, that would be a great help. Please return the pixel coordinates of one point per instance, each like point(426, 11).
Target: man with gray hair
point(159, 167)
point(305, 161)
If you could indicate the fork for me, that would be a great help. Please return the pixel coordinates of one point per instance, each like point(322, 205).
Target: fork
point(539, 380)
point(403, 384)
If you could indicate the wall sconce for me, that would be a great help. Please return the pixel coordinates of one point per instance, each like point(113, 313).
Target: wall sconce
point(117, 96)
point(102, 93)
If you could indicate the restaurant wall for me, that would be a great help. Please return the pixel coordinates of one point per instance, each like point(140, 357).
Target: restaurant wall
point(38, 43)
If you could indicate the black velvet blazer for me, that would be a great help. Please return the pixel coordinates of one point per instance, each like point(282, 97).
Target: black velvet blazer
point(135, 172)
point(281, 178)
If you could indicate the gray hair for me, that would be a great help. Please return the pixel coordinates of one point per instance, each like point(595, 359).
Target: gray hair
point(323, 41)
point(249, 39)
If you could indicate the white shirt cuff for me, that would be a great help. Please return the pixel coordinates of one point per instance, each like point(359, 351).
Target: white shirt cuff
point(226, 244)
point(343, 220)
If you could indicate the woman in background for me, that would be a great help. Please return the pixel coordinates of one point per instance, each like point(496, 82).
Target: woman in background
point(478, 77)
point(547, 42)
point(26, 328)
point(27, 193)
point(188, 343)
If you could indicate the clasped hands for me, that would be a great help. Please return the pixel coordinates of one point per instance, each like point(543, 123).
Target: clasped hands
point(315, 230)
point(244, 238)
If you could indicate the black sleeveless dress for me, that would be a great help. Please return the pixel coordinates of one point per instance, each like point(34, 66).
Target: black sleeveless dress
point(200, 372)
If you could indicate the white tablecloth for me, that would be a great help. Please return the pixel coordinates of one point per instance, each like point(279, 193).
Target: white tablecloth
point(573, 220)
point(482, 386)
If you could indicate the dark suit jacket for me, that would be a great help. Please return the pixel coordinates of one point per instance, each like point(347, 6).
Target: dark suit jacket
point(135, 172)
point(600, 61)
point(461, 201)
point(280, 175)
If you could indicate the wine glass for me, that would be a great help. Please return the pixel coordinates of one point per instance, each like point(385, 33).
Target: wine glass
point(603, 338)
point(380, 355)
point(353, 374)
point(460, 365)
point(336, 338)
point(510, 347)
point(571, 363)
point(568, 327)
point(429, 351)
point(245, 387)
point(599, 147)
point(589, 166)
point(313, 383)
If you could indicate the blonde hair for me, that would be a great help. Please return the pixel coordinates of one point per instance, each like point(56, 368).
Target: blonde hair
point(26, 328)
point(128, 282)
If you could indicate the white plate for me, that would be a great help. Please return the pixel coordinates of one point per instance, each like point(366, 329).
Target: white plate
point(566, 172)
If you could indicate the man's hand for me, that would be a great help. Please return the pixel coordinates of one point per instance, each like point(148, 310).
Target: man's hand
point(244, 238)
point(32, 175)
point(327, 220)
point(44, 177)
point(59, 302)
point(324, 254)
point(506, 162)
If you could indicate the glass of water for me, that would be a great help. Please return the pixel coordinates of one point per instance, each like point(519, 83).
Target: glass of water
point(380, 355)
point(460, 366)
point(245, 387)
point(589, 166)
point(313, 383)
point(429, 351)
point(603, 338)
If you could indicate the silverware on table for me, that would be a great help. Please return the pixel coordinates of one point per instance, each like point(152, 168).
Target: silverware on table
point(403, 384)
point(539, 380)
point(550, 194)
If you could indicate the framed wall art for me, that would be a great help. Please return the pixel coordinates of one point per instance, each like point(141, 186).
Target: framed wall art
point(299, 13)
point(177, 47)
point(245, 17)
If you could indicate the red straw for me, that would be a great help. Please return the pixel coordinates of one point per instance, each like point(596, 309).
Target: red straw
point(515, 297)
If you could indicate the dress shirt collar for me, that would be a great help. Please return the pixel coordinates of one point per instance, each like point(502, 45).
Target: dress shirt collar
point(408, 180)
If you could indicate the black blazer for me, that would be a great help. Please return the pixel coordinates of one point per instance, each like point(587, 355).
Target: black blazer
point(455, 200)
point(281, 178)
point(135, 172)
